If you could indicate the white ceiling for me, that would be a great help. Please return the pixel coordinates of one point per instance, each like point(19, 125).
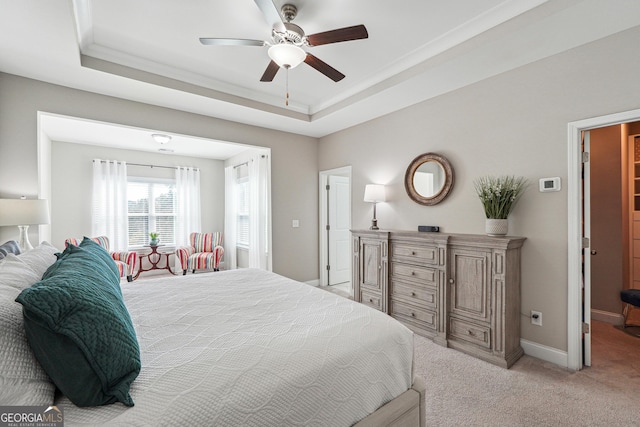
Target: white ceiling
point(162, 37)
point(90, 132)
point(148, 51)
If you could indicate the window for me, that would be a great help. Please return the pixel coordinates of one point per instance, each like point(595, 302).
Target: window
point(151, 208)
point(242, 227)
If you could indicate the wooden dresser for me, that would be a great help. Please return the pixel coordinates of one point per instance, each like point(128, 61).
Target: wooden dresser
point(460, 290)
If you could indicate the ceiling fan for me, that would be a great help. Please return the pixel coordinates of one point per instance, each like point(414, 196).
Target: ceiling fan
point(288, 39)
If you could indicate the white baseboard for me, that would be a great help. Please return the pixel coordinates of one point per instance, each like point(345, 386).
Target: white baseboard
point(607, 316)
point(546, 353)
point(315, 282)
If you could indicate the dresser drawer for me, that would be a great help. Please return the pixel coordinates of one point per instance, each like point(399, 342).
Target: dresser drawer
point(423, 318)
point(423, 295)
point(415, 253)
point(466, 331)
point(371, 299)
point(412, 272)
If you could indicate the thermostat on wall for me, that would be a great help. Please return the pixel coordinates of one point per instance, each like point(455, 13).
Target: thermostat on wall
point(550, 184)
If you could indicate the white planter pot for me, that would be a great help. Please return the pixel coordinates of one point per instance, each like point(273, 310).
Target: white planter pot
point(496, 227)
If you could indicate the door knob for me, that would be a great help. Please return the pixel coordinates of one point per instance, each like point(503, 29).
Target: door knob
point(594, 252)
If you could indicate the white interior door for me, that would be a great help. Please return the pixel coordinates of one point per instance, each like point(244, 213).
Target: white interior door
point(586, 252)
point(339, 224)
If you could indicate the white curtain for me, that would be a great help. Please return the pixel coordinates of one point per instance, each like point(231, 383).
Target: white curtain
point(260, 213)
point(109, 204)
point(188, 216)
point(230, 218)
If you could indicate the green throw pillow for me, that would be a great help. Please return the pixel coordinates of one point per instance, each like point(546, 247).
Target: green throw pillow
point(79, 328)
point(100, 256)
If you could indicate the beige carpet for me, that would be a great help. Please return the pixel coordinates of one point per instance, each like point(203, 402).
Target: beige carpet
point(464, 391)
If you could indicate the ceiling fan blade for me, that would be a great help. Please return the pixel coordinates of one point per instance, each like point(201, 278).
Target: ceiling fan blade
point(271, 14)
point(324, 68)
point(270, 72)
point(231, 42)
point(356, 32)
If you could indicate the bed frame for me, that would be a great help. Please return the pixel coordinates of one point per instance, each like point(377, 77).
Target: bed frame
point(406, 410)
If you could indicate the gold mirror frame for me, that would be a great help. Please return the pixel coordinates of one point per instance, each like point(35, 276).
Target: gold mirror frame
point(448, 179)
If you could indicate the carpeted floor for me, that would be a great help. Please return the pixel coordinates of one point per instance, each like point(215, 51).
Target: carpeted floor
point(464, 391)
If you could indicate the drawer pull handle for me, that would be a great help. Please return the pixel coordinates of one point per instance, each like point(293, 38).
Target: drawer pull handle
point(470, 332)
point(370, 299)
point(451, 280)
point(413, 273)
point(413, 252)
point(413, 294)
point(413, 314)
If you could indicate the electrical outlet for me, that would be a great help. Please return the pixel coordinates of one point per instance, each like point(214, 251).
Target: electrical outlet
point(536, 318)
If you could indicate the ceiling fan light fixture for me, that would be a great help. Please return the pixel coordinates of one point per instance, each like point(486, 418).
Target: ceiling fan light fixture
point(161, 138)
point(287, 55)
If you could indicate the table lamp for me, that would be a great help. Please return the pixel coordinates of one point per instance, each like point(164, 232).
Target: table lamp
point(23, 212)
point(374, 193)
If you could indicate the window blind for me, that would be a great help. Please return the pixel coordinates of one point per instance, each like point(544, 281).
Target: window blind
point(242, 226)
point(151, 208)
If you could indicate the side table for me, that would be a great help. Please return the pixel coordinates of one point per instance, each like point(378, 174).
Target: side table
point(154, 257)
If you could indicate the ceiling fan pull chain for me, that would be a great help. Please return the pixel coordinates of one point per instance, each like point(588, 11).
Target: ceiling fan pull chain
point(287, 88)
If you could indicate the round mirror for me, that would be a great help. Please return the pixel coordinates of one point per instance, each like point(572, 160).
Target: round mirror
point(429, 179)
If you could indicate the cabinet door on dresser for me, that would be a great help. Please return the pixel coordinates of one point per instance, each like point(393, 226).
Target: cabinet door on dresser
point(370, 271)
point(470, 309)
point(483, 316)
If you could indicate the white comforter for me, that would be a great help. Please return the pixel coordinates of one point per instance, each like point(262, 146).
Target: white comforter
point(251, 348)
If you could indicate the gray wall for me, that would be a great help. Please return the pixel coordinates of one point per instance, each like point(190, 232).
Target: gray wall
point(293, 157)
point(514, 123)
point(72, 186)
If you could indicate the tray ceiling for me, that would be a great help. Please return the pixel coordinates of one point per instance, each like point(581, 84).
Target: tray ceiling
point(148, 51)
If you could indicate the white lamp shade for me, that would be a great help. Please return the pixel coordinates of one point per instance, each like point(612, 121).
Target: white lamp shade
point(24, 212)
point(287, 55)
point(374, 193)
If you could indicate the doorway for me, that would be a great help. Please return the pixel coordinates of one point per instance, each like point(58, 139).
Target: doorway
point(606, 213)
point(580, 230)
point(335, 226)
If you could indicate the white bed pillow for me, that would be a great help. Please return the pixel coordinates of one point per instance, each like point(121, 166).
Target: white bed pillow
point(16, 273)
point(40, 258)
point(22, 380)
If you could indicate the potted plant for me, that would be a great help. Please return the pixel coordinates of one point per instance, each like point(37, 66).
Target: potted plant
point(154, 239)
point(499, 196)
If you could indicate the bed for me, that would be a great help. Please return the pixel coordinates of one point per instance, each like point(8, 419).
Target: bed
point(252, 348)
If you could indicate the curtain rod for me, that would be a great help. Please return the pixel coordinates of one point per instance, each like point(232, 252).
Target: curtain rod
point(241, 164)
point(262, 156)
point(150, 166)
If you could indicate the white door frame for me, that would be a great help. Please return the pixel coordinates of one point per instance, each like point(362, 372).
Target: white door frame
point(574, 178)
point(322, 203)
